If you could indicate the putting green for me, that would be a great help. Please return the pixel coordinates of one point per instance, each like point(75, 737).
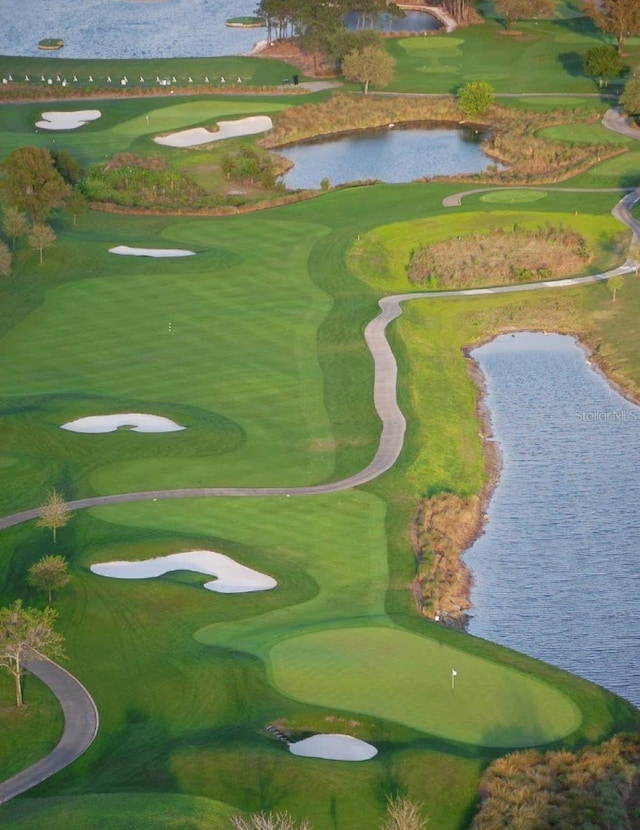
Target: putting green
point(512, 197)
point(392, 674)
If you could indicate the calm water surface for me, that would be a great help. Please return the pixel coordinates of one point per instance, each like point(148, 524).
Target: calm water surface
point(389, 155)
point(127, 28)
point(411, 22)
point(557, 573)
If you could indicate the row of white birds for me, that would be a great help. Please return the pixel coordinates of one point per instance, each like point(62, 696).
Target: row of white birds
point(123, 81)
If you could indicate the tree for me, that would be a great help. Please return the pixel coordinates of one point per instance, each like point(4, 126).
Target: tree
point(75, 203)
point(369, 65)
point(620, 18)
point(5, 259)
point(403, 814)
point(630, 98)
point(41, 236)
point(514, 10)
point(14, 223)
point(49, 574)
point(614, 285)
point(26, 634)
point(603, 62)
point(54, 513)
point(67, 166)
point(32, 183)
point(474, 98)
point(347, 40)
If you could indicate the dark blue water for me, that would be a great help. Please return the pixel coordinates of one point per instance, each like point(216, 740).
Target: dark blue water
point(411, 22)
point(390, 155)
point(127, 28)
point(557, 573)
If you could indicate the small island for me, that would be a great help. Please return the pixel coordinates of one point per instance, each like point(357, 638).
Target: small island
point(50, 43)
point(245, 22)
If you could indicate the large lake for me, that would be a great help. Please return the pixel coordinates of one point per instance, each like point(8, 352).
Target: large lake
point(557, 572)
point(389, 155)
point(127, 28)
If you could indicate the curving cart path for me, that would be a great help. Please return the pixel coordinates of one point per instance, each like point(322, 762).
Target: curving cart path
point(80, 727)
point(80, 712)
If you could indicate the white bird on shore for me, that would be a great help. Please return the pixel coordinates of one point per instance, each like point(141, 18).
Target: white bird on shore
point(26, 77)
point(108, 79)
point(75, 79)
point(141, 79)
point(173, 80)
point(10, 77)
point(206, 79)
point(90, 79)
point(58, 78)
point(190, 79)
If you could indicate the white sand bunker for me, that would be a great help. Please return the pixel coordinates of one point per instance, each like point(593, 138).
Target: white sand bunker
point(232, 577)
point(125, 250)
point(226, 129)
point(135, 421)
point(334, 748)
point(67, 120)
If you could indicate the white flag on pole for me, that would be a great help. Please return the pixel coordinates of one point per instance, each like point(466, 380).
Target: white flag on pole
point(454, 673)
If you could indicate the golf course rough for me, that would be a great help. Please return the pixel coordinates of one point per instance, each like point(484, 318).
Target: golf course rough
point(402, 677)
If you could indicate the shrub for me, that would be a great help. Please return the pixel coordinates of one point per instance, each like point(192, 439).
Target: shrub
point(474, 98)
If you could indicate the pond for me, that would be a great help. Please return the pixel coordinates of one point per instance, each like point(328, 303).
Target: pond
point(127, 28)
point(557, 572)
point(413, 21)
point(389, 155)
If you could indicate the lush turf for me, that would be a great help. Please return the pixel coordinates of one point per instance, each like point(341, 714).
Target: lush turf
point(547, 56)
point(29, 734)
point(156, 811)
point(253, 71)
point(413, 684)
point(123, 125)
point(266, 365)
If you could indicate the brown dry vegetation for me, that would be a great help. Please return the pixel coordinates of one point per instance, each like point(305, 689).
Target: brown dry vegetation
point(503, 256)
point(573, 791)
point(444, 526)
point(512, 138)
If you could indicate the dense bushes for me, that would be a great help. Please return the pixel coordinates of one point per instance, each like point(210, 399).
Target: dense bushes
point(133, 181)
point(503, 256)
point(573, 791)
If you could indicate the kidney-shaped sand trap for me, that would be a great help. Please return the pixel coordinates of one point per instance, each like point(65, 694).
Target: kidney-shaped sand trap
point(232, 577)
point(125, 250)
point(136, 421)
point(334, 748)
point(67, 120)
point(226, 129)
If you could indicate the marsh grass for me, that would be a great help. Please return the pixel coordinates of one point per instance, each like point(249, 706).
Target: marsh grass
point(500, 257)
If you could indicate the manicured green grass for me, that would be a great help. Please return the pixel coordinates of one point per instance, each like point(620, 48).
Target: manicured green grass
point(153, 811)
point(585, 134)
point(546, 57)
point(413, 684)
point(29, 733)
point(253, 71)
point(123, 125)
point(511, 196)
